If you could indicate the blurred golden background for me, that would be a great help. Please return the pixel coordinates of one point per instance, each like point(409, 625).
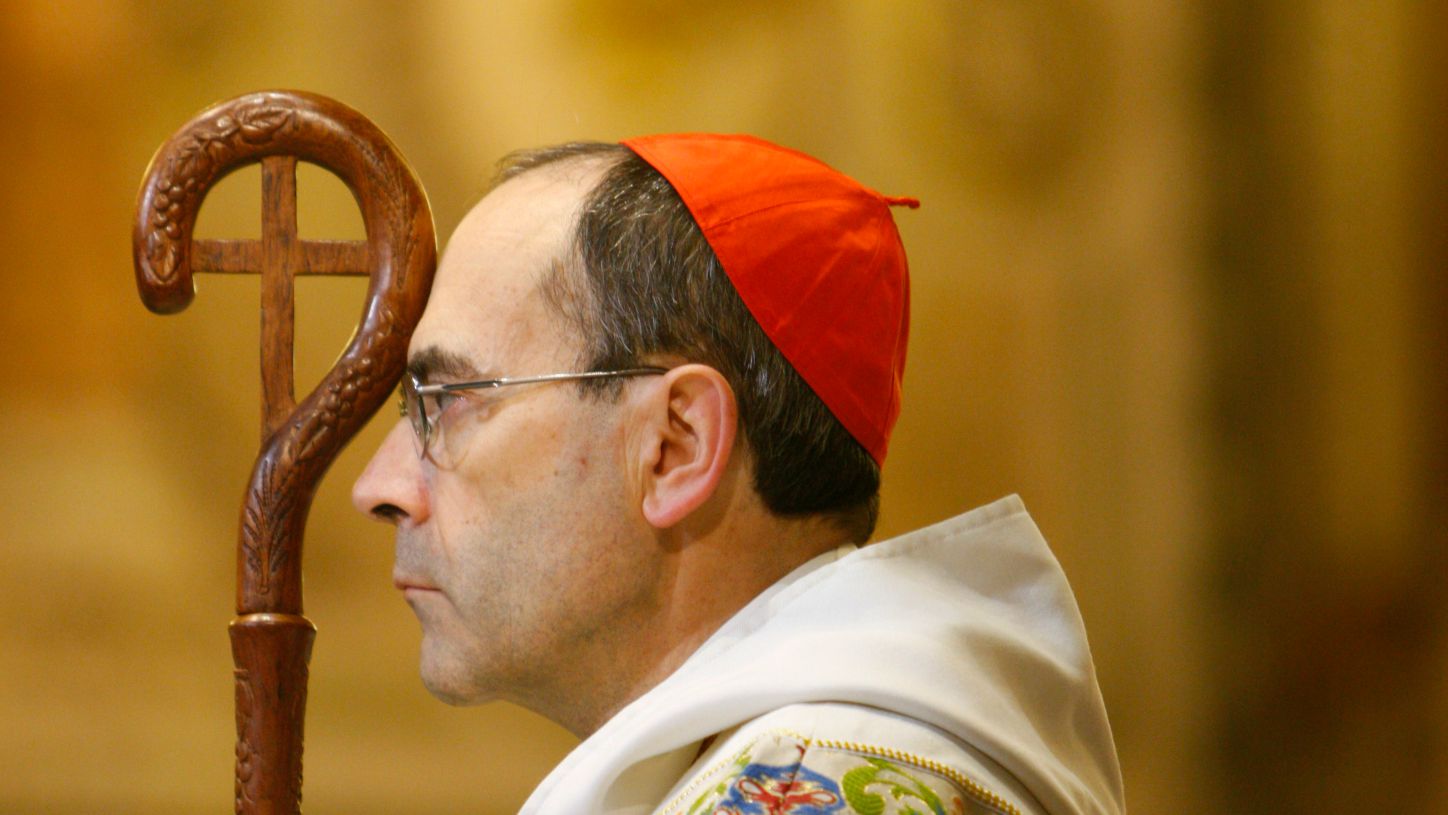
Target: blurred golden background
point(1178, 280)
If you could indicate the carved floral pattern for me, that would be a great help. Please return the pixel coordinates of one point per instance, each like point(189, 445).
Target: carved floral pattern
point(311, 438)
point(208, 148)
point(264, 524)
point(245, 754)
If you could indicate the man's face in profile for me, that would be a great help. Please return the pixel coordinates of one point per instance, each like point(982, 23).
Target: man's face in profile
point(519, 542)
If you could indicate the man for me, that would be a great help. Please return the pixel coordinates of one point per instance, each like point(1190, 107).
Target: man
point(647, 405)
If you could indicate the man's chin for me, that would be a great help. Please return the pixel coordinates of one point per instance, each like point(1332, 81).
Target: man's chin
point(450, 686)
point(450, 693)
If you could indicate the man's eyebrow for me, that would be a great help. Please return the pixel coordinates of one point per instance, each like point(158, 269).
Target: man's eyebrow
point(432, 362)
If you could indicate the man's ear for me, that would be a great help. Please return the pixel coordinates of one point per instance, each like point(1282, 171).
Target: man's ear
point(691, 429)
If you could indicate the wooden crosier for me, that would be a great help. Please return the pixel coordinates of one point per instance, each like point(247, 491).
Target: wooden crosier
point(271, 641)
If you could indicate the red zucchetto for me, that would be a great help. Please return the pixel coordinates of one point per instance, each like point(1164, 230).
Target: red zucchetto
point(816, 258)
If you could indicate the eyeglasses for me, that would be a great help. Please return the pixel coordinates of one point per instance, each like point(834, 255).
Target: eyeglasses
point(423, 404)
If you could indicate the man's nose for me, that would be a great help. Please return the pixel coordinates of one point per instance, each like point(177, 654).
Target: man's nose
point(391, 488)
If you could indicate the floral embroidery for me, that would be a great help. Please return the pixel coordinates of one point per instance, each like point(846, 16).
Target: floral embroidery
point(791, 789)
point(904, 789)
point(784, 773)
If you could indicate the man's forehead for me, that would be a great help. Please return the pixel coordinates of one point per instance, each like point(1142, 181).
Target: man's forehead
point(519, 230)
point(485, 302)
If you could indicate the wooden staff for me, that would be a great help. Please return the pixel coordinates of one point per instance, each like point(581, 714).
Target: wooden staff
point(271, 641)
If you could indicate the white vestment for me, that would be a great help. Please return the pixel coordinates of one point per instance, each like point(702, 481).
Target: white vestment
point(951, 658)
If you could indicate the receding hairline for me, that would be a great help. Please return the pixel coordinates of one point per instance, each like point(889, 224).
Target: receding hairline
point(580, 155)
point(563, 285)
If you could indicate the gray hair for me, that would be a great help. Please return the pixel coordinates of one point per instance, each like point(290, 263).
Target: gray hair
point(650, 283)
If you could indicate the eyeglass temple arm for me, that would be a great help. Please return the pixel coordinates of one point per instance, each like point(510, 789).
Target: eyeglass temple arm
point(425, 390)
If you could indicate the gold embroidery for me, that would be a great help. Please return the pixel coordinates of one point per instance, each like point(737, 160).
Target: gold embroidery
point(971, 787)
point(703, 778)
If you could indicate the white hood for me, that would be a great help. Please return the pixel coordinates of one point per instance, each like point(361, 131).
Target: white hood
point(968, 625)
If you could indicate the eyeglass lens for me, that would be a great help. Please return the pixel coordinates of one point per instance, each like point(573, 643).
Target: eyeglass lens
point(415, 409)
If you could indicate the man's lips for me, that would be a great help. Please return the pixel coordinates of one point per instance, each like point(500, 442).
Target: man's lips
point(405, 584)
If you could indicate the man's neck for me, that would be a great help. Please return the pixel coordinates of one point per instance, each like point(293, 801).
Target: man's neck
point(707, 578)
